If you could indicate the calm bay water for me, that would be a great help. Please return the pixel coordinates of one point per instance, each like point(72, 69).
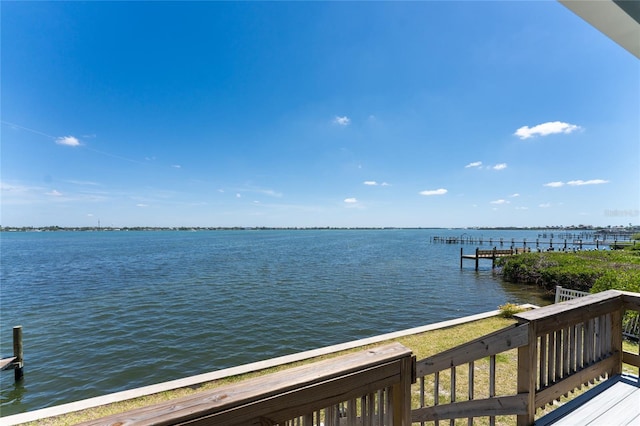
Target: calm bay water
point(108, 311)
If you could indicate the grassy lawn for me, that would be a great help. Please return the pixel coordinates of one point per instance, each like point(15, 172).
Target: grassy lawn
point(422, 345)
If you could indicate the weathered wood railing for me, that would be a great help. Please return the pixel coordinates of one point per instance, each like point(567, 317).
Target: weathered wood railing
point(371, 387)
point(559, 349)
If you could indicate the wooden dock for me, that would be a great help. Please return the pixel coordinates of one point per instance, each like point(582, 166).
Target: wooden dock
point(538, 243)
point(492, 254)
point(16, 362)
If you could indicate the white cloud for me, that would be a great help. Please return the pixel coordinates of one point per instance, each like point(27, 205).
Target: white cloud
point(500, 166)
point(578, 182)
point(522, 208)
point(587, 182)
point(545, 129)
point(350, 200)
point(429, 192)
point(342, 121)
point(176, 166)
point(238, 195)
point(141, 205)
point(68, 141)
point(474, 164)
point(514, 195)
point(55, 193)
point(501, 201)
point(544, 205)
point(375, 183)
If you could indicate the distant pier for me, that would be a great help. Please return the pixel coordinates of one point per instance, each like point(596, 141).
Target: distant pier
point(548, 243)
point(492, 254)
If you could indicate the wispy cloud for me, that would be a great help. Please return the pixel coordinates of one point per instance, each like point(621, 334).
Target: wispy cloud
point(500, 166)
point(68, 141)
point(83, 182)
point(514, 195)
point(545, 129)
point(142, 205)
point(271, 193)
point(500, 201)
point(176, 166)
point(578, 182)
point(544, 205)
point(429, 192)
point(474, 164)
point(351, 200)
point(55, 193)
point(375, 183)
point(587, 182)
point(342, 121)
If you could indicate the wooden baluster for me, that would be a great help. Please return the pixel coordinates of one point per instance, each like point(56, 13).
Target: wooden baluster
point(453, 392)
point(436, 392)
point(471, 379)
point(492, 384)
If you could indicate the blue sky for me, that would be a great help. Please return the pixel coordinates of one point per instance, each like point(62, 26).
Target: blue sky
point(430, 114)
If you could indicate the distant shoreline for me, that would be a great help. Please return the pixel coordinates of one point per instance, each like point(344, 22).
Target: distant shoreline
point(610, 229)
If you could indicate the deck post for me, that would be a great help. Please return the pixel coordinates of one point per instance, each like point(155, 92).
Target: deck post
point(401, 394)
point(616, 340)
point(18, 352)
point(460, 257)
point(527, 361)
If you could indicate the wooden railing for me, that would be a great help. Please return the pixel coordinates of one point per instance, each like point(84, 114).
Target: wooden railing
point(630, 325)
point(368, 388)
point(559, 349)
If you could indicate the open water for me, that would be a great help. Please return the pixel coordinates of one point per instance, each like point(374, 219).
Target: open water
point(108, 311)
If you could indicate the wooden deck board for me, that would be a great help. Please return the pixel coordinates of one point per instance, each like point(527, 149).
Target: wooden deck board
point(615, 402)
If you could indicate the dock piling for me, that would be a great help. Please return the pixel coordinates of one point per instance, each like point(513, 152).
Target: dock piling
point(18, 352)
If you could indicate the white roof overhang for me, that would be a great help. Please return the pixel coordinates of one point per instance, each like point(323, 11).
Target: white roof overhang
point(617, 19)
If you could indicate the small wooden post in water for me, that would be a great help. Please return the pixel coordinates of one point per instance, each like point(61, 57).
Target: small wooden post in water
point(17, 352)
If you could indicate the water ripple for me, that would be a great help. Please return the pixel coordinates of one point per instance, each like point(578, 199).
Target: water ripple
point(104, 312)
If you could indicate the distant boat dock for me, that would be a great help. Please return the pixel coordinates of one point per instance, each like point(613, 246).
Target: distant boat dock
point(545, 241)
point(490, 254)
point(502, 247)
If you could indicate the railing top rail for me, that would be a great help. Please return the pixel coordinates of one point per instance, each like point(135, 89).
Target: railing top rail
point(502, 340)
point(571, 312)
point(309, 386)
point(631, 300)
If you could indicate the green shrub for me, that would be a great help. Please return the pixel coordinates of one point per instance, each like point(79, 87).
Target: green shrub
point(508, 310)
point(582, 271)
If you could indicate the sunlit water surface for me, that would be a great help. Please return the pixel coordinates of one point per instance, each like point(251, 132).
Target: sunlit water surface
point(109, 311)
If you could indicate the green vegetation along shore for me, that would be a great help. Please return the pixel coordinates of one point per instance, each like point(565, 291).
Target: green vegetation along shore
point(592, 271)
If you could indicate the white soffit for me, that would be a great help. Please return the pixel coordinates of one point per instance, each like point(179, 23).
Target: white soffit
point(618, 20)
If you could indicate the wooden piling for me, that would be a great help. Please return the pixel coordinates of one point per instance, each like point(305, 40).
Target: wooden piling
point(18, 352)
